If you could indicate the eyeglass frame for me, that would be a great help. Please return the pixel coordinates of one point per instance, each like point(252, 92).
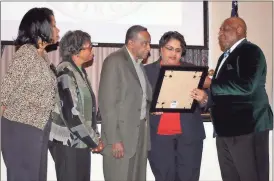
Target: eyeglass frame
point(170, 48)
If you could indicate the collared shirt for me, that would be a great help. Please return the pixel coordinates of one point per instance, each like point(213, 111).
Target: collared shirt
point(229, 50)
point(141, 76)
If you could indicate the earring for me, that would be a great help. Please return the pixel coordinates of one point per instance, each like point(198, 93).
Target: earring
point(41, 44)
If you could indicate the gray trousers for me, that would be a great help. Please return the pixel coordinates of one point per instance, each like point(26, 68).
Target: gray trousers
point(129, 169)
point(244, 158)
point(24, 150)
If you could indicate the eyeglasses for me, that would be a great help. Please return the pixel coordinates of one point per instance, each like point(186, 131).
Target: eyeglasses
point(170, 48)
point(89, 47)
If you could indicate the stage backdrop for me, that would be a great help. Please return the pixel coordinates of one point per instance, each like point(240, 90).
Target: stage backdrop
point(195, 56)
point(188, 18)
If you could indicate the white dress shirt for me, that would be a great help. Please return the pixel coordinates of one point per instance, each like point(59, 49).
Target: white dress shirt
point(226, 54)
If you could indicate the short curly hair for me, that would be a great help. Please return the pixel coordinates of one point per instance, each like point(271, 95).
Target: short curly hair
point(72, 43)
point(173, 35)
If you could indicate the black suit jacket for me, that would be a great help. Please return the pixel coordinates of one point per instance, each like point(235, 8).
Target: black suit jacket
point(239, 100)
point(191, 123)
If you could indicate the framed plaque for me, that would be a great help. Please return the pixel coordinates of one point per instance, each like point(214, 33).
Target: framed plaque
point(173, 88)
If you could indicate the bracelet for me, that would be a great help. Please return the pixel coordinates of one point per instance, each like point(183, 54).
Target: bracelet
point(205, 100)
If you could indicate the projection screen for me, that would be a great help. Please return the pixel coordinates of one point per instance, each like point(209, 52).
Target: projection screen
point(107, 22)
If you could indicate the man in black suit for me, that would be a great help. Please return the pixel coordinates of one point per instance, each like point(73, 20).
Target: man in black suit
point(176, 139)
point(240, 110)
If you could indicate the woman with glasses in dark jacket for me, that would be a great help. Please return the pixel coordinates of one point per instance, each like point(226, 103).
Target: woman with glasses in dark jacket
point(176, 138)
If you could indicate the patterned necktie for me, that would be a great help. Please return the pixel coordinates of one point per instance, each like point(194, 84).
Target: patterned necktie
point(226, 54)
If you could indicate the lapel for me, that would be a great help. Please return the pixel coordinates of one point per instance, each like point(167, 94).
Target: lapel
point(155, 68)
point(218, 64)
point(148, 86)
point(153, 72)
point(232, 56)
point(132, 69)
point(129, 64)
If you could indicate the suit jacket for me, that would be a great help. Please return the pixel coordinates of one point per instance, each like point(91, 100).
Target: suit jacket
point(239, 100)
point(120, 99)
point(191, 123)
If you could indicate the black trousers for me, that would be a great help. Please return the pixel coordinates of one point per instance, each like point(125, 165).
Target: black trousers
point(174, 158)
point(24, 150)
point(244, 158)
point(71, 164)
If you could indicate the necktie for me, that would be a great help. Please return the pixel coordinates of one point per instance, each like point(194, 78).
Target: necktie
point(226, 54)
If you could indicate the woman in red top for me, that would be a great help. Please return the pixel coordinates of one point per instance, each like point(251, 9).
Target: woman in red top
point(176, 138)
